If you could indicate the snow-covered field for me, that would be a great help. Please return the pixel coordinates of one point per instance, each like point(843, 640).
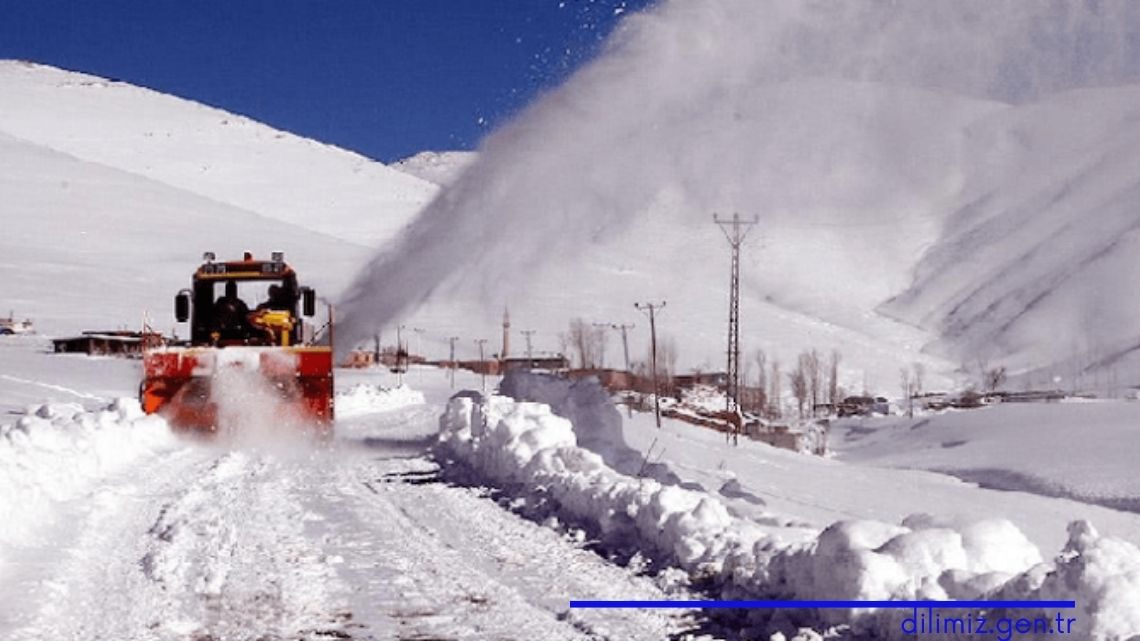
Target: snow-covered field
point(389, 532)
point(1082, 450)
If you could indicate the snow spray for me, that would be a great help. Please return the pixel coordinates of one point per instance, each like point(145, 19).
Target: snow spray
point(252, 413)
point(696, 107)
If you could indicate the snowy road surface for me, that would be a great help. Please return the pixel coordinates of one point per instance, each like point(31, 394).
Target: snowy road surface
point(359, 539)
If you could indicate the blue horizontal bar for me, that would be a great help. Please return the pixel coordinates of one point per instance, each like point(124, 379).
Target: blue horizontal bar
point(817, 605)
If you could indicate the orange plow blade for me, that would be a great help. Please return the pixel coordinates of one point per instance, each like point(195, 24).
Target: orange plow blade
point(185, 384)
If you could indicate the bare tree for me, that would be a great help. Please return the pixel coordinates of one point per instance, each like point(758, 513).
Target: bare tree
point(813, 372)
point(666, 362)
point(907, 385)
point(833, 378)
point(919, 374)
point(798, 379)
point(564, 345)
point(995, 378)
point(775, 394)
point(586, 342)
point(759, 399)
point(762, 364)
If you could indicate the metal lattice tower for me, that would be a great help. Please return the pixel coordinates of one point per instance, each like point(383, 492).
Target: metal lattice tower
point(735, 231)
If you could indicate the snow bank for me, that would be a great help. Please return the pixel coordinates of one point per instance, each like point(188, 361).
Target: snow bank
point(370, 399)
point(525, 448)
point(586, 404)
point(55, 452)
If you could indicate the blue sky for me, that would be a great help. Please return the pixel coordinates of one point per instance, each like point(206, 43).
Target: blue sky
point(385, 78)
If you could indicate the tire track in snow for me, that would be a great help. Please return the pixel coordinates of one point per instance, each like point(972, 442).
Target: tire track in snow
point(232, 556)
point(432, 561)
point(203, 544)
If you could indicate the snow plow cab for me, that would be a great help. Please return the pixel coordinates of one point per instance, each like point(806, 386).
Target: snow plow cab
point(245, 316)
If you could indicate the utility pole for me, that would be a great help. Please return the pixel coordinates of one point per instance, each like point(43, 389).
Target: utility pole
point(735, 231)
point(651, 309)
point(400, 354)
point(529, 354)
point(419, 348)
point(451, 359)
point(624, 329)
point(482, 363)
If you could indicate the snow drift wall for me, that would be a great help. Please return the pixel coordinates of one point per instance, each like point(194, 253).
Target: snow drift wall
point(54, 453)
point(586, 404)
point(527, 449)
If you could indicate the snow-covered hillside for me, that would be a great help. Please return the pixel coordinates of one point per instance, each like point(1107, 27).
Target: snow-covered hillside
point(209, 152)
point(86, 246)
point(1039, 253)
point(112, 192)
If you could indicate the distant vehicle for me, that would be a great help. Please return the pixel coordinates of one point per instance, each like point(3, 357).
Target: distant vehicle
point(10, 326)
point(863, 406)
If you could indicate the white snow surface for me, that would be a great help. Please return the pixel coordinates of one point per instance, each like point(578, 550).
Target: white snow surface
point(99, 496)
point(1075, 450)
point(113, 527)
point(363, 398)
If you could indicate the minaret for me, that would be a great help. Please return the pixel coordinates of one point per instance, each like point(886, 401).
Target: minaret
point(506, 334)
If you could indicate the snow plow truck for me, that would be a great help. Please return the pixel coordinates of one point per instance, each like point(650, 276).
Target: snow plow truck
point(244, 314)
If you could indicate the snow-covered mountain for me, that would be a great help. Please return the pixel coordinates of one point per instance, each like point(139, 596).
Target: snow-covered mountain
point(913, 201)
point(210, 152)
point(439, 167)
point(1038, 259)
point(112, 192)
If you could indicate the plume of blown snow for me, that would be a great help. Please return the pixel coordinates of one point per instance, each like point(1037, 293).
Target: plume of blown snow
point(251, 412)
point(761, 106)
